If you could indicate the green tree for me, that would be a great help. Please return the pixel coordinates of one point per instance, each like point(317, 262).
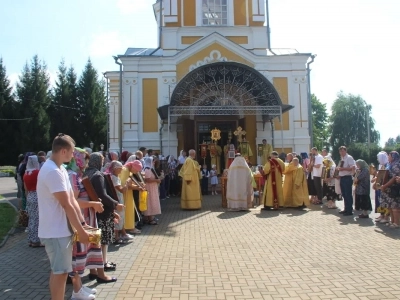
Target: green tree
point(65, 103)
point(33, 94)
point(350, 118)
point(390, 143)
point(320, 121)
point(93, 105)
point(8, 123)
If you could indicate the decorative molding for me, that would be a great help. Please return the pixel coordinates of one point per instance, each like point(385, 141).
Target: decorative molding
point(301, 79)
point(170, 80)
point(214, 56)
point(130, 81)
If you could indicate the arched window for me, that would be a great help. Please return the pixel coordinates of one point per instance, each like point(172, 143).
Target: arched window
point(215, 12)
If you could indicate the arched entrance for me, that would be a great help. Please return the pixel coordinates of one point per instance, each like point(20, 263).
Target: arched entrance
point(223, 95)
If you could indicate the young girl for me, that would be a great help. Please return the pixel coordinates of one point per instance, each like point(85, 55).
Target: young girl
point(204, 180)
point(115, 169)
point(214, 180)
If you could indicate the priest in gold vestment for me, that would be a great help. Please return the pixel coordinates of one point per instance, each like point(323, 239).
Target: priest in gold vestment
point(299, 189)
point(273, 192)
point(289, 172)
point(191, 191)
point(266, 152)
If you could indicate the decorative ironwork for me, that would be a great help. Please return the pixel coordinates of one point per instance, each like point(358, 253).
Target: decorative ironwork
point(229, 86)
point(269, 111)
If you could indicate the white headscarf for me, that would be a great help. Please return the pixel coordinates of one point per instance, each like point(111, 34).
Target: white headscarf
point(32, 164)
point(171, 158)
point(148, 162)
point(383, 158)
point(131, 158)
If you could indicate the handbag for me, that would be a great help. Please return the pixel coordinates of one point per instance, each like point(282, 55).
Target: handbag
point(23, 218)
point(143, 201)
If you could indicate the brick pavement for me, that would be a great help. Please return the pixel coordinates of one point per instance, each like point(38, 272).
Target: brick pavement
point(215, 254)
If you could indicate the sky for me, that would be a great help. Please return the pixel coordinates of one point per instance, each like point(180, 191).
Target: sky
point(356, 42)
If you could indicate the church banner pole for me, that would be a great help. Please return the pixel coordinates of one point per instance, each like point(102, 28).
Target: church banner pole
point(169, 130)
point(280, 121)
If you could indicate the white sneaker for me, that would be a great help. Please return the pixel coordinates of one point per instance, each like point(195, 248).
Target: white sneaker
point(82, 295)
point(89, 290)
point(216, 193)
point(383, 221)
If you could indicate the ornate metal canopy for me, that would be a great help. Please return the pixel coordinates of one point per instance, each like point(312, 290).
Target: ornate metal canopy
point(226, 88)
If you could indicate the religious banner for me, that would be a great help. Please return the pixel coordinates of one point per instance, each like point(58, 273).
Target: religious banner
point(213, 150)
point(203, 150)
point(260, 149)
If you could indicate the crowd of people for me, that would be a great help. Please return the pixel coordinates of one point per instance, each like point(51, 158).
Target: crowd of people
point(292, 180)
point(70, 190)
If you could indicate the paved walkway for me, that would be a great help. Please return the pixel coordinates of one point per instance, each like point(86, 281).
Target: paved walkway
point(215, 254)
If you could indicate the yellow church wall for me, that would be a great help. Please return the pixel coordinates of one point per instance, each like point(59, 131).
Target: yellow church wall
point(251, 22)
point(239, 17)
point(183, 67)
point(149, 104)
point(176, 24)
point(239, 39)
point(251, 131)
point(188, 40)
point(281, 85)
point(189, 18)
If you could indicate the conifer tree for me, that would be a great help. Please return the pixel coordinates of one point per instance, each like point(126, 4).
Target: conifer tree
point(92, 101)
point(65, 103)
point(8, 124)
point(33, 94)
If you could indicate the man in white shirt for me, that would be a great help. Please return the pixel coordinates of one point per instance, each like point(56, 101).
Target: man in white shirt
point(346, 169)
point(317, 172)
point(57, 209)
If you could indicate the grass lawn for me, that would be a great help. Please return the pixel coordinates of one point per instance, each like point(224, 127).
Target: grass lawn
point(7, 219)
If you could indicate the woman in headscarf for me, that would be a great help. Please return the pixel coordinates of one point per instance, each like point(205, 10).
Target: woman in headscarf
point(21, 172)
point(114, 170)
point(18, 177)
point(85, 256)
point(383, 160)
point(30, 181)
point(105, 219)
point(329, 182)
point(153, 198)
point(363, 188)
point(172, 174)
point(390, 198)
point(130, 167)
point(124, 156)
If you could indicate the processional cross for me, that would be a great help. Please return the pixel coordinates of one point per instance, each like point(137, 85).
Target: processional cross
point(239, 132)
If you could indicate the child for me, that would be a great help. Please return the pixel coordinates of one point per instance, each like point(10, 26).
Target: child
point(214, 180)
point(204, 180)
point(121, 236)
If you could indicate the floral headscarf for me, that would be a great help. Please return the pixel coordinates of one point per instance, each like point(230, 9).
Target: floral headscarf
point(78, 161)
point(95, 164)
point(395, 160)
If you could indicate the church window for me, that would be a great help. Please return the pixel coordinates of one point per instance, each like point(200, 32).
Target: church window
point(215, 13)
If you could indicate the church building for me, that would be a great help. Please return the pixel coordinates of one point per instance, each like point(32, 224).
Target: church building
point(213, 70)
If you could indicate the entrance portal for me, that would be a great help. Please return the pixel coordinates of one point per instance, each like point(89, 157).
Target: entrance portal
point(203, 136)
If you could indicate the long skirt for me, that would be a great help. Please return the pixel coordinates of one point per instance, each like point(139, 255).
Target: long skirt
point(107, 230)
point(33, 212)
point(363, 202)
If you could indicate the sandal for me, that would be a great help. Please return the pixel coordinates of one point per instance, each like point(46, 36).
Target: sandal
point(153, 222)
point(36, 245)
point(394, 225)
point(121, 241)
point(109, 267)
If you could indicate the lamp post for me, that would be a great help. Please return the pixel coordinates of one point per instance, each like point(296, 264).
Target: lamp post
point(91, 145)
